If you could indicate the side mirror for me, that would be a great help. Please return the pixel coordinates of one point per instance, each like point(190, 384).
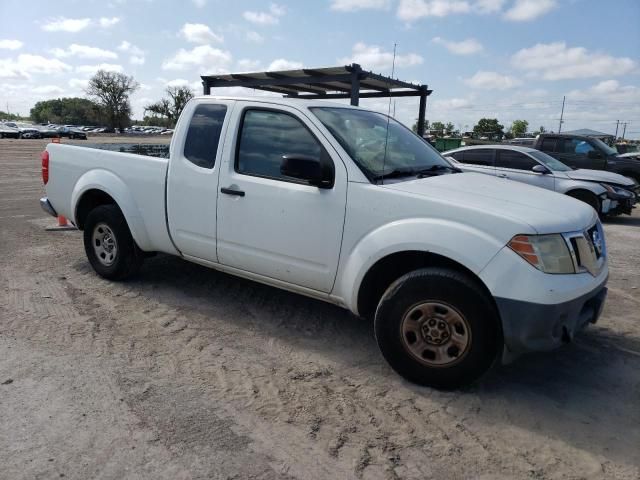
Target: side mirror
point(541, 169)
point(304, 167)
point(594, 154)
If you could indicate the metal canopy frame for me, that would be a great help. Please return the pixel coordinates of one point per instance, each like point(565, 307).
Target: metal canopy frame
point(349, 81)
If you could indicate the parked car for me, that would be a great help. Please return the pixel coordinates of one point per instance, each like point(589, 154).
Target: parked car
point(7, 131)
point(25, 130)
point(456, 269)
point(72, 133)
point(48, 132)
point(587, 152)
point(608, 193)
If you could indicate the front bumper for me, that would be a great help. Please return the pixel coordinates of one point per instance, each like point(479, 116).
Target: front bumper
point(534, 327)
point(45, 204)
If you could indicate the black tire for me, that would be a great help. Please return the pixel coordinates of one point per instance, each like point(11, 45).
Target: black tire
point(127, 258)
point(462, 296)
point(587, 197)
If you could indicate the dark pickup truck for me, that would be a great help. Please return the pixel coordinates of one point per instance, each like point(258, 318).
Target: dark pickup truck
point(587, 152)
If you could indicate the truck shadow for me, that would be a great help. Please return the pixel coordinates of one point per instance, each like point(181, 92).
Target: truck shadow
point(585, 394)
point(623, 220)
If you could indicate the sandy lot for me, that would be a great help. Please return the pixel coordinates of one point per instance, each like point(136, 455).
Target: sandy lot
point(186, 373)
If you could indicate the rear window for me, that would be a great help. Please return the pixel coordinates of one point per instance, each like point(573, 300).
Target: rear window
point(480, 156)
point(516, 160)
point(203, 136)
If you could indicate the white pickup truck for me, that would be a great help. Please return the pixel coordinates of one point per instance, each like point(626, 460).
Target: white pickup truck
point(458, 270)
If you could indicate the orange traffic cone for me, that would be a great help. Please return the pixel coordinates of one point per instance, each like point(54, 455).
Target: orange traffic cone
point(62, 224)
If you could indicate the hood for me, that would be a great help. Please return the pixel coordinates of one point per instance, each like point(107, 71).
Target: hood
point(630, 155)
point(543, 210)
point(601, 176)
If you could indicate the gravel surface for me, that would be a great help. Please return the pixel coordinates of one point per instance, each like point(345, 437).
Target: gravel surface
point(185, 372)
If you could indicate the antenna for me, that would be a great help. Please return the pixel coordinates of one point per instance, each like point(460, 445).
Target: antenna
point(386, 139)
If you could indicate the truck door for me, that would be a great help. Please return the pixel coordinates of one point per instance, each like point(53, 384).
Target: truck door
point(192, 179)
point(273, 225)
point(579, 153)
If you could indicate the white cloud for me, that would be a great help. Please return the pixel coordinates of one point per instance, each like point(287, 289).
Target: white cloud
point(464, 47)
point(452, 104)
point(26, 65)
point(410, 10)
point(78, 83)
point(137, 55)
point(254, 37)
point(282, 64)
point(200, 3)
point(11, 44)
point(489, 6)
point(213, 59)
point(63, 24)
point(372, 56)
point(525, 10)
point(178, 82)
point(199, 33)
point(108, 22)
point(492, 81)
point(84, 51)
point(74, 25)
point(248, 65)
point(354, 5)
point(556, 61)
point(608, 90)
point(47, 89)
point(265, 18)
point(92, 69)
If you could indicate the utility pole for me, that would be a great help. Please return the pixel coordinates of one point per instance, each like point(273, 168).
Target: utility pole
point(617, 124)
point(561, 115)
point(624, 129)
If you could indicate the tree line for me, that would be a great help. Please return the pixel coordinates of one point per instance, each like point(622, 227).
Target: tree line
point(108, 104)
point(489, 127)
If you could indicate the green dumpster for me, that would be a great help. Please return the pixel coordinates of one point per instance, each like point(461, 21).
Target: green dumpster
point(444, 144)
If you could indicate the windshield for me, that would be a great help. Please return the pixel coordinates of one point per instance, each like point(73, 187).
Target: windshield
point(604, 147)
point(363, 134)
point(550, 162)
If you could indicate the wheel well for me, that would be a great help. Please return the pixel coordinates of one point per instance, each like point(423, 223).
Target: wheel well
point(581, 193)
point(90, 200)
point(388, 269)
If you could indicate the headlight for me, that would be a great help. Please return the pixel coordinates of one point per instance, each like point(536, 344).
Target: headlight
point(547, 253)
point(617, 193)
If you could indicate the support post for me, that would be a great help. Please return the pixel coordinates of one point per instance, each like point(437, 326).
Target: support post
point(422, 110)
point(355, 84)
point(206, 89)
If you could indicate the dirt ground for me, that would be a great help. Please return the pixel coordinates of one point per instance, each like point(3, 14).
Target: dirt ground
point(186, 372)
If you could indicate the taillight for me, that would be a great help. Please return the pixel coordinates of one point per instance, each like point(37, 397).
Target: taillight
point(45, 166)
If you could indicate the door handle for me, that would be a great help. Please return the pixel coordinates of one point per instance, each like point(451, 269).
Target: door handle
point(503, 175)
point(231, 191)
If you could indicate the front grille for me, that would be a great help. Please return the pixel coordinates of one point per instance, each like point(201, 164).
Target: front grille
point(588, 249)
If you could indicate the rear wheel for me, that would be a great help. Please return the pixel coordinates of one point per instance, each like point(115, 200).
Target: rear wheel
point(110, 248)
point(437, 327)
point(587, 197)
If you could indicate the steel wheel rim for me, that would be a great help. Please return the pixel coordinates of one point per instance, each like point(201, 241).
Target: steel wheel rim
point(435, 333)
point(104, 244)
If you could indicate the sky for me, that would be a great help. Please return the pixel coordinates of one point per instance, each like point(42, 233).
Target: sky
point(505, 59)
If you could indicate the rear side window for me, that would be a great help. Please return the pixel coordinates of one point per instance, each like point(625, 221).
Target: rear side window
point(203, 136)
point(481, 156)
point(459, 156)
point(548, 144)
point(516, 160)
point(266, 136)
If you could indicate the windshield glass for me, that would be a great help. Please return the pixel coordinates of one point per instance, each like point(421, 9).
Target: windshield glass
point(550, 162)
point(604, 147)
point(363, 134)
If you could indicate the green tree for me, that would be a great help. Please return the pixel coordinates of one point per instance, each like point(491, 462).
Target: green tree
point(171, 106)
point(438, 127)
point(112, 90)
point(74, 111)
point(426, 126)
point(449, 127)
point(488, 127)
point(519, 128)
point(11, 116)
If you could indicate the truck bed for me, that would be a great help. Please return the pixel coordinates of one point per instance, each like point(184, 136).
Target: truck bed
point(136, 182)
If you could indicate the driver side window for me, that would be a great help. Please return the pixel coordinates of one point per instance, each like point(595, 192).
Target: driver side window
point(576, 145)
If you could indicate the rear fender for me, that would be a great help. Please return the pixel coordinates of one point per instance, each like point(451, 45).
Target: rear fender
point(115, 187)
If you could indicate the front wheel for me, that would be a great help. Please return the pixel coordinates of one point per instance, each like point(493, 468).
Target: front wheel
point(437, 327)
point(110, 248)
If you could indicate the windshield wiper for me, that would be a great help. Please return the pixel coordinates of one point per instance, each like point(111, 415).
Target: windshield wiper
point(435, 169)
point(397, 173)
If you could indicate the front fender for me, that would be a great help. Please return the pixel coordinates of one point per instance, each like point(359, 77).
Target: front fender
point(565, 186)
point(463, 244)
point(110, 183)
